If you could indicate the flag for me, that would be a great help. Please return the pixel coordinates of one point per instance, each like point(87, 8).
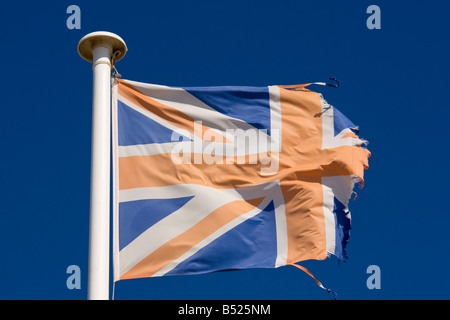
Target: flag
point(225, 178)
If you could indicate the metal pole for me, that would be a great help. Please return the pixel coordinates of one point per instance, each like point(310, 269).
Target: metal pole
point(99, 47)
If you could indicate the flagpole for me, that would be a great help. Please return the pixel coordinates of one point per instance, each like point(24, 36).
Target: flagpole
point(100, 48)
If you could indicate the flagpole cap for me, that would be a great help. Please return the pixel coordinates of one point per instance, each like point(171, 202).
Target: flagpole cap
point(93, 40)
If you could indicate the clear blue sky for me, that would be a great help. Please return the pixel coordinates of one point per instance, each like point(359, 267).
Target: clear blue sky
point(394, 83)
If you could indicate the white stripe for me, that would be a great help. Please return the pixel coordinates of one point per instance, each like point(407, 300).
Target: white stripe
point(330, 223)
point(341, 186)
point(281, 225)
point(185, 190)
point(327, 124)
point(328, 196)
point(152, 148)
point(186, 147)
point(339, 141)
point(167, 192)
point(275, 118)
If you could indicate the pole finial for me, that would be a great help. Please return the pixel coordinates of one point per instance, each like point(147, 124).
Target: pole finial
point(92, 40)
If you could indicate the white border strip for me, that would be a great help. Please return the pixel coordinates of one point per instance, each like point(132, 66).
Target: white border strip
point(115, 187)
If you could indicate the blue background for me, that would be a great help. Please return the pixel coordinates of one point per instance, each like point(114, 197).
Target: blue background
point(394, 85)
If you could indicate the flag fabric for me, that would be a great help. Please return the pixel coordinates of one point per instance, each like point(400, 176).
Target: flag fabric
point(210, 179)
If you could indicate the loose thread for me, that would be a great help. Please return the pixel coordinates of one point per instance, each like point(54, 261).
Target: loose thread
point(317, 281)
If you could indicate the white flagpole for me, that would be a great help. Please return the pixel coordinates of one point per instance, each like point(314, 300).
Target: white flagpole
point(99, 48)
